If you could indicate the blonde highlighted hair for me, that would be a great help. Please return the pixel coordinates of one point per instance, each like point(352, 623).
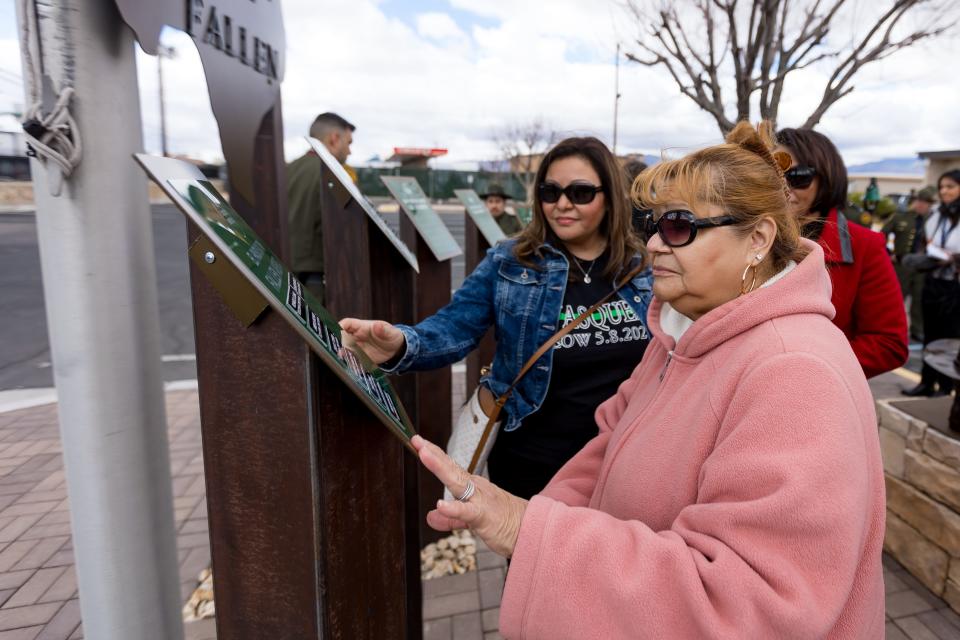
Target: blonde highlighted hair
point(743, 176)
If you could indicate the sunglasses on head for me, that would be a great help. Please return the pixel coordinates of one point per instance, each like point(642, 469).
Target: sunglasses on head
point(800, 177)
point(678, 228)
point(577, 192)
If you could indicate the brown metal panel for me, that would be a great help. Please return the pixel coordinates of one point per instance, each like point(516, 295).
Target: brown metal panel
point(256, 435)
point(393, 300)
point(367, 278)
point(305, 488)
point(431, 291)
point(474, 251)
point(259, 494)
point(362, 545)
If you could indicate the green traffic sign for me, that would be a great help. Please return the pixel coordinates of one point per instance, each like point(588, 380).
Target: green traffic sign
point(199, 200)
point(481, 216)
point(416, 205)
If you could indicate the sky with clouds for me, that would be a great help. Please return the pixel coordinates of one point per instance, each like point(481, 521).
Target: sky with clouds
point(450, 73)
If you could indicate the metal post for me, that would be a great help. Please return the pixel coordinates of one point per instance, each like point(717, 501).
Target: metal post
point(100, 291)
point(163, 52)
point(431, 290)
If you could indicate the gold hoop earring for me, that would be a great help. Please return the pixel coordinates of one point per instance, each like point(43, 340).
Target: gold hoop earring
point(743, 280)
point(753, 282)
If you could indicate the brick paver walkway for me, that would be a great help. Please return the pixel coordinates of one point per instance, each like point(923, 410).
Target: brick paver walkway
point(38, 585)
point(38, 591)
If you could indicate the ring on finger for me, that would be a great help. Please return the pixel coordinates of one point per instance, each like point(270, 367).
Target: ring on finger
point(468, 491)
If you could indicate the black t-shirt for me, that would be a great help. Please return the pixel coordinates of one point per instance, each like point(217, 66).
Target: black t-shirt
point(589, 364)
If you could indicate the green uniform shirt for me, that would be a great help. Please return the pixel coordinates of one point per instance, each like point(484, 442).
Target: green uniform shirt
point(903, 226)
point(303, 201)
point(510, 225)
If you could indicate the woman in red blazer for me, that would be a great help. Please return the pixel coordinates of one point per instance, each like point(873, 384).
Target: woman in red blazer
point(866, 293)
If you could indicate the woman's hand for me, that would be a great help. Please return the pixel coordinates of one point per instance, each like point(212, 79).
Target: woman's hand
point(491, 513)
point(380, 340)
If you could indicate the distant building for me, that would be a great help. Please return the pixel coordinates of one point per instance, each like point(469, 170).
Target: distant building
point(14, 163)
point(893, 183)
point(526, 163)
point(938, 163)
point(494, 166)
point(414, 156)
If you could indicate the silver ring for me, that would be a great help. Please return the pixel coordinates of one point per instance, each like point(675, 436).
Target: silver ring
point(468, 492)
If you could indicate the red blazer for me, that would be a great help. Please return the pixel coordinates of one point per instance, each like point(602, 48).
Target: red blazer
point(866, 295)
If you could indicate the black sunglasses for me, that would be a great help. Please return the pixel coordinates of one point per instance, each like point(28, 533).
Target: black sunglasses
point(800, 177)
point(577, 192)
point(678, 228)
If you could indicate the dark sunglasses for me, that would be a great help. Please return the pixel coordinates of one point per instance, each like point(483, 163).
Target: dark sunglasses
point(577, 193)
point(679, 228)
point(800, 177)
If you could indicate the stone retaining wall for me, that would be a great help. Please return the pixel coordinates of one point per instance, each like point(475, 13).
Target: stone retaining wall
point(922, 470)
point(14, 193)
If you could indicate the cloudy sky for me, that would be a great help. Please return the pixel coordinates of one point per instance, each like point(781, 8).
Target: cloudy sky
point(449, 73)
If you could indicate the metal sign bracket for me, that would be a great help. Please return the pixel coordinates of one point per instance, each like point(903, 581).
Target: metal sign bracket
point(244, 300)
point(340, 192)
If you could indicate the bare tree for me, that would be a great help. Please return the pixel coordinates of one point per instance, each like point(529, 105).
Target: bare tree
point(522, 145)
point(763, 41)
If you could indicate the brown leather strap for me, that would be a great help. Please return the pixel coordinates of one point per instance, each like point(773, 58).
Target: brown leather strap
point(546, 346)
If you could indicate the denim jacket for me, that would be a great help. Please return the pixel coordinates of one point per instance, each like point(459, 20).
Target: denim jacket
point(523, 305)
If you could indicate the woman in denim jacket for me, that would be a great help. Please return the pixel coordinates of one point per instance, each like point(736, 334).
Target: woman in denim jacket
point(578, 245)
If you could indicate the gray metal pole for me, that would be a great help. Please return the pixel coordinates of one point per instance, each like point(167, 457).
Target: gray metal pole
point(100, 290)
point(163, 109)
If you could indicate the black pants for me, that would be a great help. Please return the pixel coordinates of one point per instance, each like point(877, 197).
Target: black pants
point(941, 319)
point(519, 475)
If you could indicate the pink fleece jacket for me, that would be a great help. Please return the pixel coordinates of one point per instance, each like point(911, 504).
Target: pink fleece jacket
point(735, 489)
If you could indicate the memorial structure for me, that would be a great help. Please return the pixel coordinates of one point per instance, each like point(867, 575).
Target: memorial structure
point(311, 500)
point(422, 229)
point(289, 500)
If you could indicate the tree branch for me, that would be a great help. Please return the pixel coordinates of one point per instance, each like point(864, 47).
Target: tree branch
point(863, 54)
point(773, 45)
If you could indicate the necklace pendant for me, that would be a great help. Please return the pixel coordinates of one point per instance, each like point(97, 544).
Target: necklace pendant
point(586, 279)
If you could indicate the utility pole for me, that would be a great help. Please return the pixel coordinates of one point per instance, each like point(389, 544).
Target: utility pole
point(163, 51)
point(99, 286)
point(616, 99)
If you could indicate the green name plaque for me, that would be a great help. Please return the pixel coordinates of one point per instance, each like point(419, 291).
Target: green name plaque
point(337, 170)
point(236, 241)
point(416, 205)
point(481, 217)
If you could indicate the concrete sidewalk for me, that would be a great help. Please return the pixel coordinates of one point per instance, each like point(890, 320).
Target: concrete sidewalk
point(38, 592)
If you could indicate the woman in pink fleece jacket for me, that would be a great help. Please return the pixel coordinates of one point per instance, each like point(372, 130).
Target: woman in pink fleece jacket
point(735, 489)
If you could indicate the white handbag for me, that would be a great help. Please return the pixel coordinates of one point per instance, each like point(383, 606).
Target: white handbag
point(468, 431)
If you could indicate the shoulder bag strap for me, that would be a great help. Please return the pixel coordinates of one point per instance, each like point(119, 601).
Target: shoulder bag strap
point(546, 346)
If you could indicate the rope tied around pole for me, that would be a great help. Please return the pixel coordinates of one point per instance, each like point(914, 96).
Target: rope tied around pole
point(53, 136)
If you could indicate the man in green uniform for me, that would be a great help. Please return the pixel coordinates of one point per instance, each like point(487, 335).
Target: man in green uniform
point(496, 200)
point(907, 229)
point(304, 197)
